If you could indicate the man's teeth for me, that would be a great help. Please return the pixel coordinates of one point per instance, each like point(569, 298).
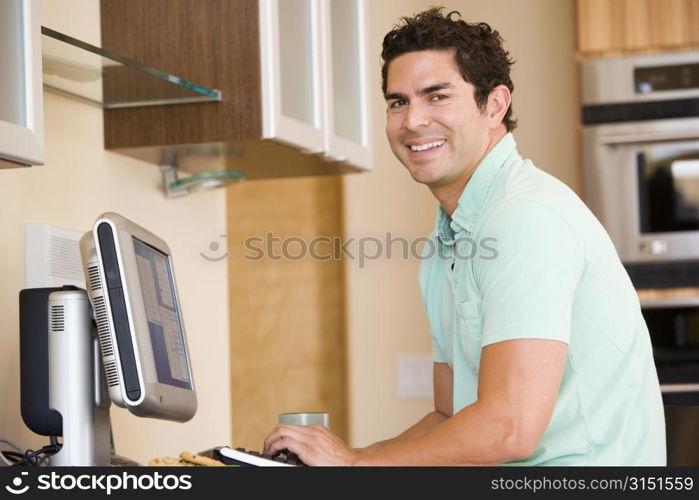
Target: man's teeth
point(429, 145)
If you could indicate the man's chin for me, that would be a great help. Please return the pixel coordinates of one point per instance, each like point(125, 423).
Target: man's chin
point(423, 175)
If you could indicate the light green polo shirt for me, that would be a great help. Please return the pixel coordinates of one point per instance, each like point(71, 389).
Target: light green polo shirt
point(523, 257)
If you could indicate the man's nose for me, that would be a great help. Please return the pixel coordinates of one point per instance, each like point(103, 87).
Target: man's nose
point(416, 117)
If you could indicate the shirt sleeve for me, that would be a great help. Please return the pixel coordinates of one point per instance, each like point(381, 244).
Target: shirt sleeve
point(528, 286)
point(437, 351)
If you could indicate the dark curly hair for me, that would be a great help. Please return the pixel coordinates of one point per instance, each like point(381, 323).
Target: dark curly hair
point(478, 50)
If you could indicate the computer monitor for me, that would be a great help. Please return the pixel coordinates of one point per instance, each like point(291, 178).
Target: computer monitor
point(131, 287)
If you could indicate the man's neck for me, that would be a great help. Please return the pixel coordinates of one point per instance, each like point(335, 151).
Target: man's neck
point(448, 195)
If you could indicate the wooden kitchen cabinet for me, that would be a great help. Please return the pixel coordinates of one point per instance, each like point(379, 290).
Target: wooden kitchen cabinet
point(631, 26)
point(668, 23)
point(293, 75)
point(595, 20)
point(693, 22)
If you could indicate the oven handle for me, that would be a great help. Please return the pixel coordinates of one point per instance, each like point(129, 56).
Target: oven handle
point(676, 388)
point(649, 137)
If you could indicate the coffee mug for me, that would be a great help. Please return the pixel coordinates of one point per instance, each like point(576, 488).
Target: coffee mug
point(305, 418)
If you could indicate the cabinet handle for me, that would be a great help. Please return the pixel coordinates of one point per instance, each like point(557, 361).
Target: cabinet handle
point(678, 388)
point(649, 137)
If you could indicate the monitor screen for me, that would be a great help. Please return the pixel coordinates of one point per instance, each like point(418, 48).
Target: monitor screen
point(166, 333)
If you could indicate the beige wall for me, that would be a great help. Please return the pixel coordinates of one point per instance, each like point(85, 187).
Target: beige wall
point(384, 310)
point(79, 181)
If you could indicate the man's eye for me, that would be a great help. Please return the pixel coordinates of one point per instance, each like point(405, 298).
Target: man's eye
point(438, 97)
point(397, 103)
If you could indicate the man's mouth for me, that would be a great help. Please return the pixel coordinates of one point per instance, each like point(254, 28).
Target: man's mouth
point(426, 147)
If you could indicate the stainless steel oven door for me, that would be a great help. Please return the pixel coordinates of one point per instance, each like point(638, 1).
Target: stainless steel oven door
point(642, 182)
point(672, 317)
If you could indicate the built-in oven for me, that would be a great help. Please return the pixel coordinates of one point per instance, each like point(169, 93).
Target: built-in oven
point(640, 146)
point(640, 152)
point(673, 324)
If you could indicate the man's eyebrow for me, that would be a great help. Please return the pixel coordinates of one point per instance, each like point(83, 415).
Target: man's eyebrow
point(434, 88)
point(393, 96)
point(427, 90)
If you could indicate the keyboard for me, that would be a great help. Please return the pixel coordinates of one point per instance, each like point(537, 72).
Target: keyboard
point(243, 457)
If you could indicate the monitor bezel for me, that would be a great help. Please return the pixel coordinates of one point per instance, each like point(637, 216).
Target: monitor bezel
point(156, 396)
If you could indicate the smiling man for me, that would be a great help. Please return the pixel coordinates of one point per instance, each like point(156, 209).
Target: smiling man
point(541, 354)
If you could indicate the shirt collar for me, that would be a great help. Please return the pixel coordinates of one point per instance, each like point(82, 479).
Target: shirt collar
point(471, 200)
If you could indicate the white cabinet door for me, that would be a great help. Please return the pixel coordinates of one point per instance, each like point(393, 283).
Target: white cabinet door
point(347, 99)
point(21, 98)
point(292, 73)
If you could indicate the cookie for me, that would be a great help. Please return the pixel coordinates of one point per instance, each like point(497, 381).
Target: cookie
point(194, 459)
point(167, 462)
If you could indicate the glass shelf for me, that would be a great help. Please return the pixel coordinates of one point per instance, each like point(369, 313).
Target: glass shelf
point(77, 69)
point(198, 182)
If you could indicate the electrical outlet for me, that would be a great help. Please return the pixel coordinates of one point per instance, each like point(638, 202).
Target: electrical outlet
point(414, 376)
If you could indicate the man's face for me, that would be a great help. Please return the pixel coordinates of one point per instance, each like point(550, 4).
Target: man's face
point(433, 125)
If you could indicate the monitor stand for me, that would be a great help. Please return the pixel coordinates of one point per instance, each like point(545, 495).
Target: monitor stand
point(77, 385)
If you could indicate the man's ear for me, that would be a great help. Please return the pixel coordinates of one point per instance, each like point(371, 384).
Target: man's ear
point(498, 103)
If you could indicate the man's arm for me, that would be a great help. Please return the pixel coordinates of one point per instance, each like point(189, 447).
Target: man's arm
point(443, 382)
point(518, 385)
point(316, 445)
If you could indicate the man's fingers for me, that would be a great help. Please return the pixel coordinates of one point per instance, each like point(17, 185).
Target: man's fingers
point(284, 430)
point(292, 445)
point(313, 444)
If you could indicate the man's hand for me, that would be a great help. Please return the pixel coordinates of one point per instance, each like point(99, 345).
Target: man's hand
point(313, 444)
